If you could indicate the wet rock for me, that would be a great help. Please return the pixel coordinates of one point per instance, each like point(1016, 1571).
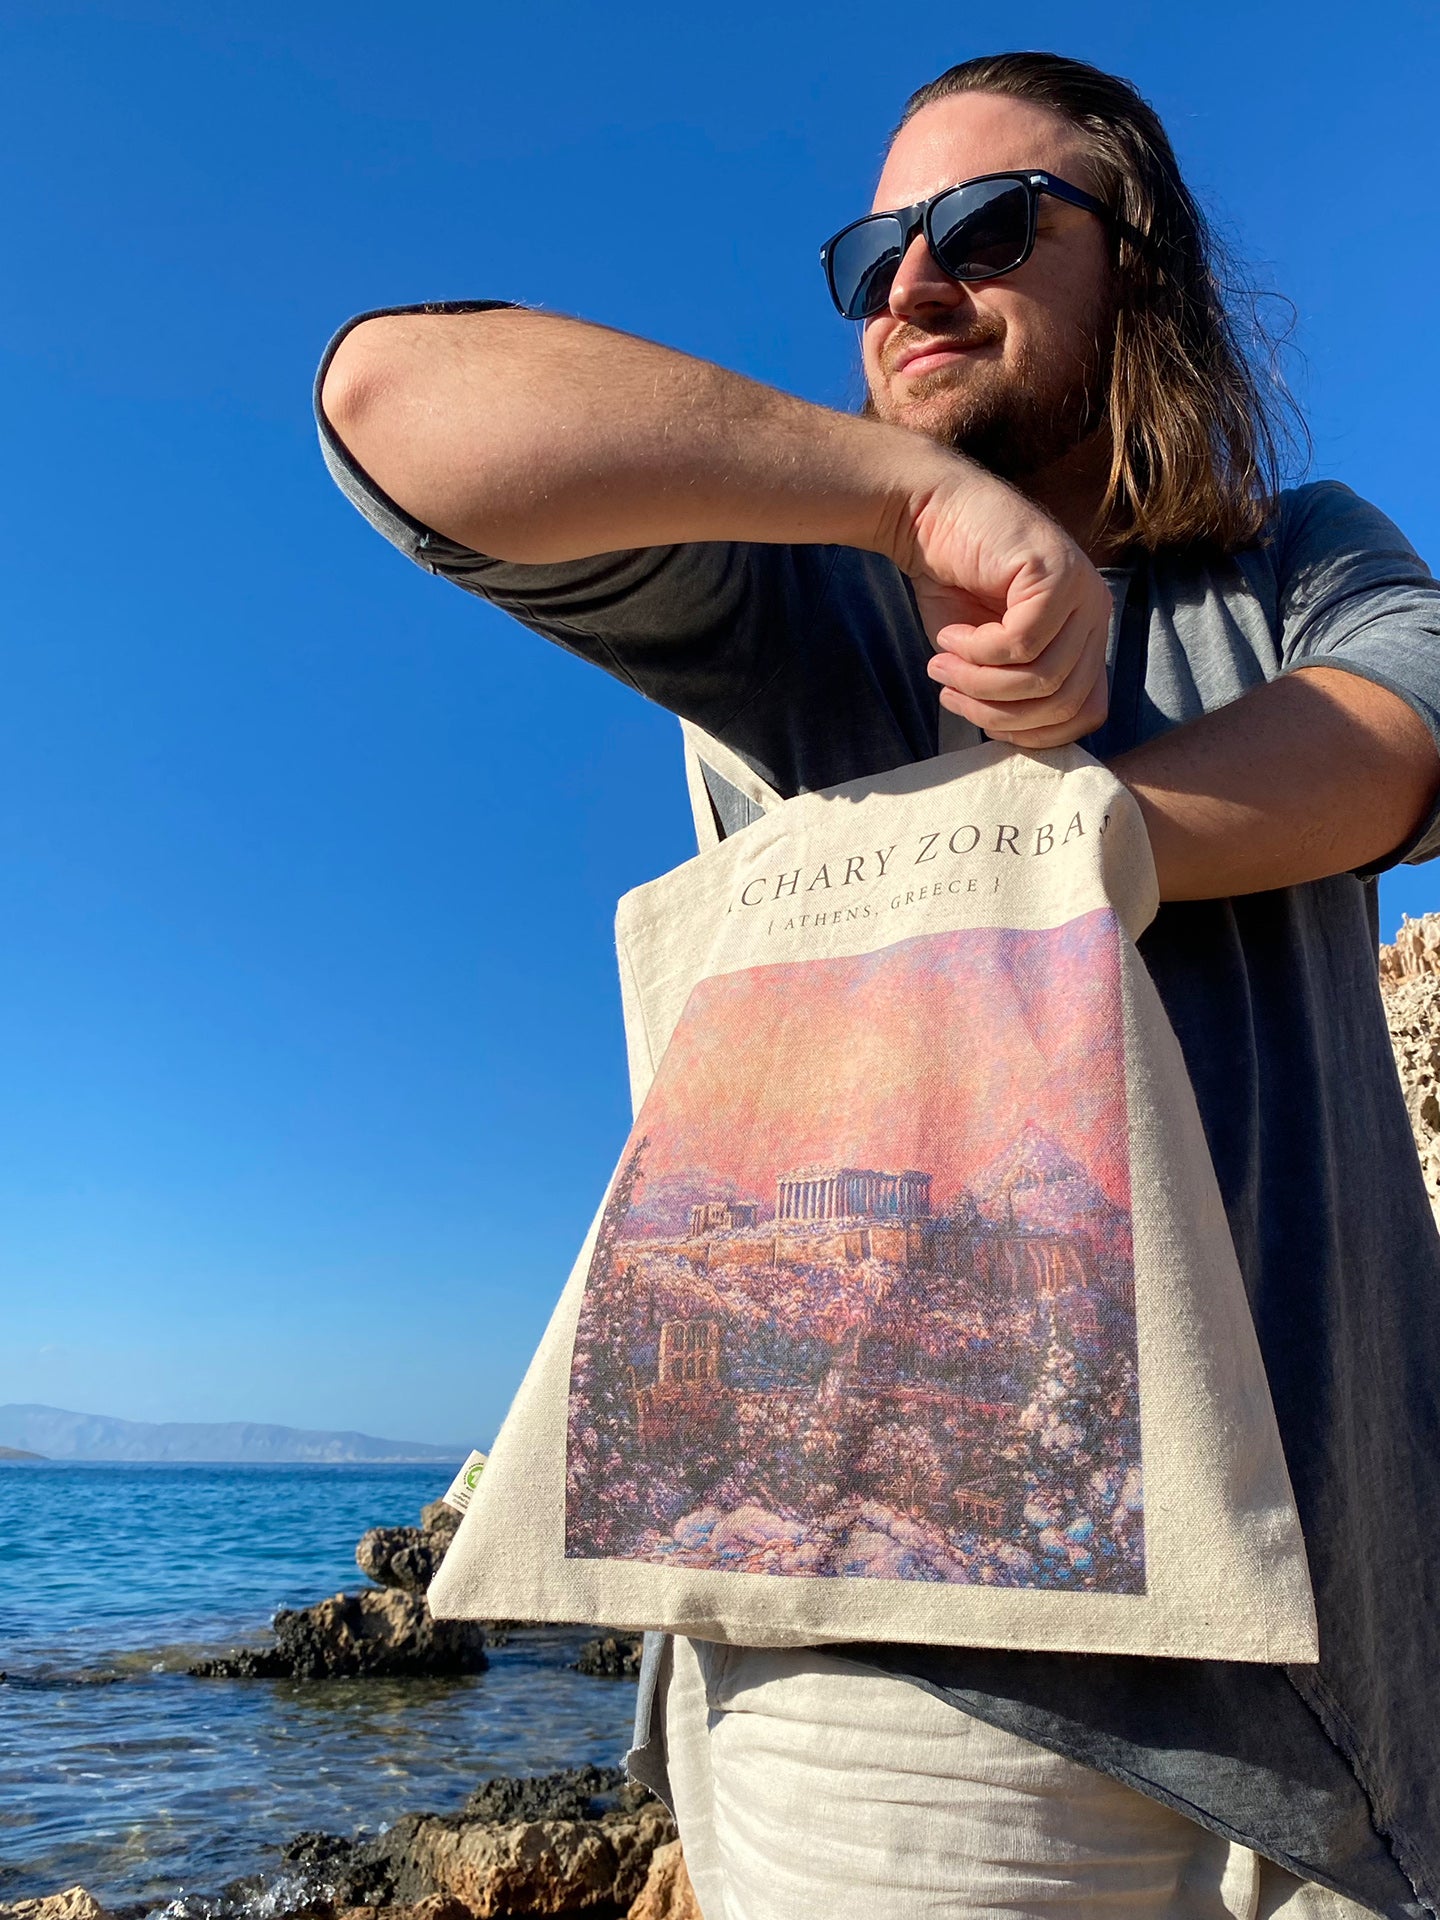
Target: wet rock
point(530, 1867)
point(613, 1656)
point(75, 1903)
point(405, 1558)
point(320, 1857)
point(667, 1893)
point(576, 1842)
point(357, 1635)
point(576, 1793)
point(339, 1875)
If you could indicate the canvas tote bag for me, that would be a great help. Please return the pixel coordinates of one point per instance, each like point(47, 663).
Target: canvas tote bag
point(911, 1312)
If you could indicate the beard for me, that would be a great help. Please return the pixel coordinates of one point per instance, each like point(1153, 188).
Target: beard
point(1017, 421)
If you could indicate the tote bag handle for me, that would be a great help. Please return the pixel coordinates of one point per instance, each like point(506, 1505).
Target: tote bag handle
point(703, 750)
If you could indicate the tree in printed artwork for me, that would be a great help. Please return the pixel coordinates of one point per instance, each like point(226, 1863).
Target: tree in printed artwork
point(611, 1316)
point(905, 1462)
point(875, 1320)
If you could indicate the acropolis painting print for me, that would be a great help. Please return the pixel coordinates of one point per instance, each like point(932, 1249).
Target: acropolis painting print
point(862, 1301)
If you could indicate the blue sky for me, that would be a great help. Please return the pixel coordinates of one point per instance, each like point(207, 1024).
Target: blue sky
point(293, 1124)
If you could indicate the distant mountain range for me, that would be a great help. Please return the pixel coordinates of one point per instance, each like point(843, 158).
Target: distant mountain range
point(59, 1435)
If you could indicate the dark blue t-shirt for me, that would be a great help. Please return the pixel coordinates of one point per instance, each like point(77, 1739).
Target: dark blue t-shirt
point(810, 663)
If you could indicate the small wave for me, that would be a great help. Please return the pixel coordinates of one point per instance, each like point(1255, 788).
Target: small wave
point(175, 1657)
point(128, 1664)
point(287, 1893)
point(51, 1680)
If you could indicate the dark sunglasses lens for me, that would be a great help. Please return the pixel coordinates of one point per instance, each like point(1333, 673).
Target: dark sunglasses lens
point(981, 230)
point(862, 266)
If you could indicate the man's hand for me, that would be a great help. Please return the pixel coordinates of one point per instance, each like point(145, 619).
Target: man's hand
point(1018, 615)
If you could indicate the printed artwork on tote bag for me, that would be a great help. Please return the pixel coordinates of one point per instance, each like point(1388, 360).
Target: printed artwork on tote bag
point(862, 1300)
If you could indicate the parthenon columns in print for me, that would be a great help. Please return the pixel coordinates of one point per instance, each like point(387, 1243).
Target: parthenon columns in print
point(851, 1193)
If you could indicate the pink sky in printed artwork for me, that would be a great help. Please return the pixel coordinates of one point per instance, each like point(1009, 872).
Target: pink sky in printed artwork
point(931, 1054)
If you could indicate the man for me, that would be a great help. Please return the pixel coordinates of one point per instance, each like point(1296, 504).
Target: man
point(1055, 520)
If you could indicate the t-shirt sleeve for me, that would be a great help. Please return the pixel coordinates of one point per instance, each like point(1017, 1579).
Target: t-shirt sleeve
point(1355, 595)
point(700, 628)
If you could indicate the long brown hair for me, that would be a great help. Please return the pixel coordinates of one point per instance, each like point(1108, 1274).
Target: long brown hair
point(1199, 416)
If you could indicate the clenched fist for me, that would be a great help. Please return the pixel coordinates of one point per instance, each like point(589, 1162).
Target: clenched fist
point(1018, 616)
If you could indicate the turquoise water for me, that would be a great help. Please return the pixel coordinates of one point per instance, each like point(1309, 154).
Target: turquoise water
point(119, 1771)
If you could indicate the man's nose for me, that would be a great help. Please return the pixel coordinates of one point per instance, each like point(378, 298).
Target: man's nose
point(920, 286)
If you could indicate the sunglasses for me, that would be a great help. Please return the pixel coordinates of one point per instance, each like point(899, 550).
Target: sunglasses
point(976, 231)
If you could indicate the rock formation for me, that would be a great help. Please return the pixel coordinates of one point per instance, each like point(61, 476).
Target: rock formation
point(575, 1793)
point(383, 1635)
point(612, 1656)
point(441, 1520)
point(1416, 952)
point(438, 1907)
point(582, 1843)
point(667, 1893)
point(401, 1557)
point(73, 1904)
point(1410, 988)
point(574, 1843)
point(357, 1635)
point(408, 1558)
point(538, 1867)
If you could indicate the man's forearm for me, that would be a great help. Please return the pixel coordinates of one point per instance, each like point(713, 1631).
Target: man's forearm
point(1317, 773)
point(533, 437)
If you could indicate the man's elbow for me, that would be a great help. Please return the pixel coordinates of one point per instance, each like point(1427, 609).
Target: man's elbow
point(378, 396)
point(355, 384)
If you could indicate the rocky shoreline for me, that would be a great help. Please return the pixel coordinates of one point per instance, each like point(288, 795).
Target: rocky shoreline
point(392, 1634)
point(581, 1842)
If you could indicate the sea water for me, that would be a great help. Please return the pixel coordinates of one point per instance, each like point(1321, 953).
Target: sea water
point(120, 1771)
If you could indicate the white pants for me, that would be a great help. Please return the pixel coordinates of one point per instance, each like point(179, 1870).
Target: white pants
point(810, 1788)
